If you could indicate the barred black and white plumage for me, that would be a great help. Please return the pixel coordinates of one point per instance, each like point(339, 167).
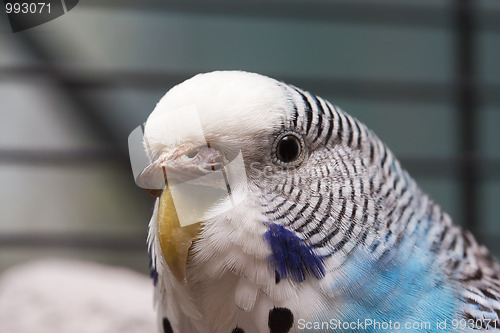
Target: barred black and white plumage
point(338, 233)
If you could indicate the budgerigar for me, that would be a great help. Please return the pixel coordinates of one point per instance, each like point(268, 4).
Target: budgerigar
point(323, 230)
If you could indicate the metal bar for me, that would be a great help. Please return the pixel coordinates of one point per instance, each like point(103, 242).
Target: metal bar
point(388, 14)
point(435, 15)
point(466, 99)
point(68, 240)
point(63, 158)
point(384, 90)
point(450, 168)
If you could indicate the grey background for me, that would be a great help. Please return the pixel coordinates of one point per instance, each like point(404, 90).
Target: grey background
point(73, 89)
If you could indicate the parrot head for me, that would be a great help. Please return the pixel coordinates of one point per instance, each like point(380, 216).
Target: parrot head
point(197, 129)
point(261, 180)
point(300, 159)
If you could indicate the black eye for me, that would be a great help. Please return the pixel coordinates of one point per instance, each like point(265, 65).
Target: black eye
point(288, 148)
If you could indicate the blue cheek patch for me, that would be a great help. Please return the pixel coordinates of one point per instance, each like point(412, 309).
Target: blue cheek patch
point(153, 272)
point(290, 257)
point(154, 275)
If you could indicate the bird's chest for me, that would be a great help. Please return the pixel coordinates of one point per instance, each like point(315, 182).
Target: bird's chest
point(235, 282)
point(364, 294)
point(234, 302)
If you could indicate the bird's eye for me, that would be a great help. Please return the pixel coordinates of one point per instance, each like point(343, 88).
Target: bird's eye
point(289, 148)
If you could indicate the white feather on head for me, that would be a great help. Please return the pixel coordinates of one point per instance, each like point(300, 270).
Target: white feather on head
point(232, 106)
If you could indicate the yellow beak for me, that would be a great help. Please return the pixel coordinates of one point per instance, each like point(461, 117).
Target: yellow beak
point(175, 240)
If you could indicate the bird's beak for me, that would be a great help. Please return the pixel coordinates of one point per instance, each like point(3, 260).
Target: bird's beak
point(168, 175)
point(175, 240)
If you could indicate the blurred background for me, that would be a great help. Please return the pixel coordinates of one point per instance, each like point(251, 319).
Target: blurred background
point(423, 74)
